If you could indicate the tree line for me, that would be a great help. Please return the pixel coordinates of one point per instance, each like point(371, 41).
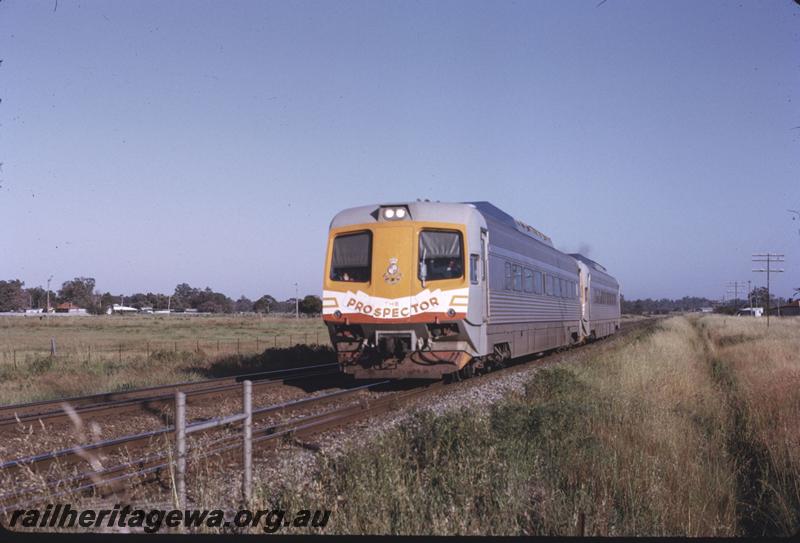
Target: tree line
point(757, 297)
point(81, 292)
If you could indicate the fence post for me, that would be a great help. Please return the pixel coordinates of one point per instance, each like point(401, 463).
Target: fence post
point(247, 460)
point(256, 344)
point(306, 338)
point(217, 346)
point(180, 446)
point(15, 359)
point(52, 346)
point(237, 346)
point(197, 346)
point(174, 346)
point(90, 354)
point(317, 337)
point(120, 353)
point(148, 350)
point(276, 342)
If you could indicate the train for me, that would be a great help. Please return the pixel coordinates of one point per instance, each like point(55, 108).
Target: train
point(435, 290)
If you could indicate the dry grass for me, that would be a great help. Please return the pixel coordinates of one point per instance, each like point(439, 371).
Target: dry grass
point(154, 350)
point(760, 370)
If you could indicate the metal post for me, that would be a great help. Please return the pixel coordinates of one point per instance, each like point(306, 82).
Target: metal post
point(769, 258)
point(296, 303)
point(120, 353)
point(180, 446)
point(247, 460)
point(52, 346)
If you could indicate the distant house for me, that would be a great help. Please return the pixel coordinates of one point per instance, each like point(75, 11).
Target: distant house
point(34, 311)
point(69, 307)
point(706, 309)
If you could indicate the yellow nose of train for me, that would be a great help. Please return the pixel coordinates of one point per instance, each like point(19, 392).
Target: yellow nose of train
point(395, 271)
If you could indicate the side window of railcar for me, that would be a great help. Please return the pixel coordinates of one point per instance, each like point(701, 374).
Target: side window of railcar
point(556, 287)
point(473, 268)
point(352, 255)
point(440, 252)
point(537, 282)
point(527, 284)
point(517, 277)
point(548, 284)
point(509, 277)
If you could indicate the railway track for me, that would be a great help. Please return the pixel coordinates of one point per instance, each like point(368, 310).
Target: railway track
point(151, 467)
point(104, 404)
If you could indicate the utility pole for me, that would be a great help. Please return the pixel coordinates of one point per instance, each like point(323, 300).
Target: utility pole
point(749, 295)
point(48, 293)
point(769, 258)
point(296, 303)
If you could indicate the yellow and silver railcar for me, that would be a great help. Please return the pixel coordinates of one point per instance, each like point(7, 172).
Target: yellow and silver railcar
point(429, 289)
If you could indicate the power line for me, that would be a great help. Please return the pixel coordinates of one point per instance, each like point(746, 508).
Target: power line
point(769, 258)
point(735, 286)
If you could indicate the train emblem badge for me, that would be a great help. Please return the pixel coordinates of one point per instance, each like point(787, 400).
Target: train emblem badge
point(392, 275)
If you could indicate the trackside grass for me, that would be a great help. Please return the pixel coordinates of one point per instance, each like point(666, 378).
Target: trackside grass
point(689, 428)
point(113, 353)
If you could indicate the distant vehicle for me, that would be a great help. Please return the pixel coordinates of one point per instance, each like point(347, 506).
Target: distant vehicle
point(750, 312)
point(121, 309)
point(431, 290)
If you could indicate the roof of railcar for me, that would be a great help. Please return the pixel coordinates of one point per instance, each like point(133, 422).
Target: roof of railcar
point(418, 211)
point(596, 268)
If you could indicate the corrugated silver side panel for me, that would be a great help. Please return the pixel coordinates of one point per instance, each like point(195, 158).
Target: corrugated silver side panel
point(510, 307)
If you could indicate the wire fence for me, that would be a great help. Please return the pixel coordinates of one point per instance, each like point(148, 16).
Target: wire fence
point(147, 349)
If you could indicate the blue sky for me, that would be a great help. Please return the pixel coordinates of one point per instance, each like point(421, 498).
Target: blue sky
point(151, 143)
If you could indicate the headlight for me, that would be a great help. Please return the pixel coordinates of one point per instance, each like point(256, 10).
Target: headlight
point(391, 213)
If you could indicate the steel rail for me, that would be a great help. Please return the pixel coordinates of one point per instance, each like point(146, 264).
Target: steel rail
point(76, 454)
point(12, 411)
point(148, 402)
